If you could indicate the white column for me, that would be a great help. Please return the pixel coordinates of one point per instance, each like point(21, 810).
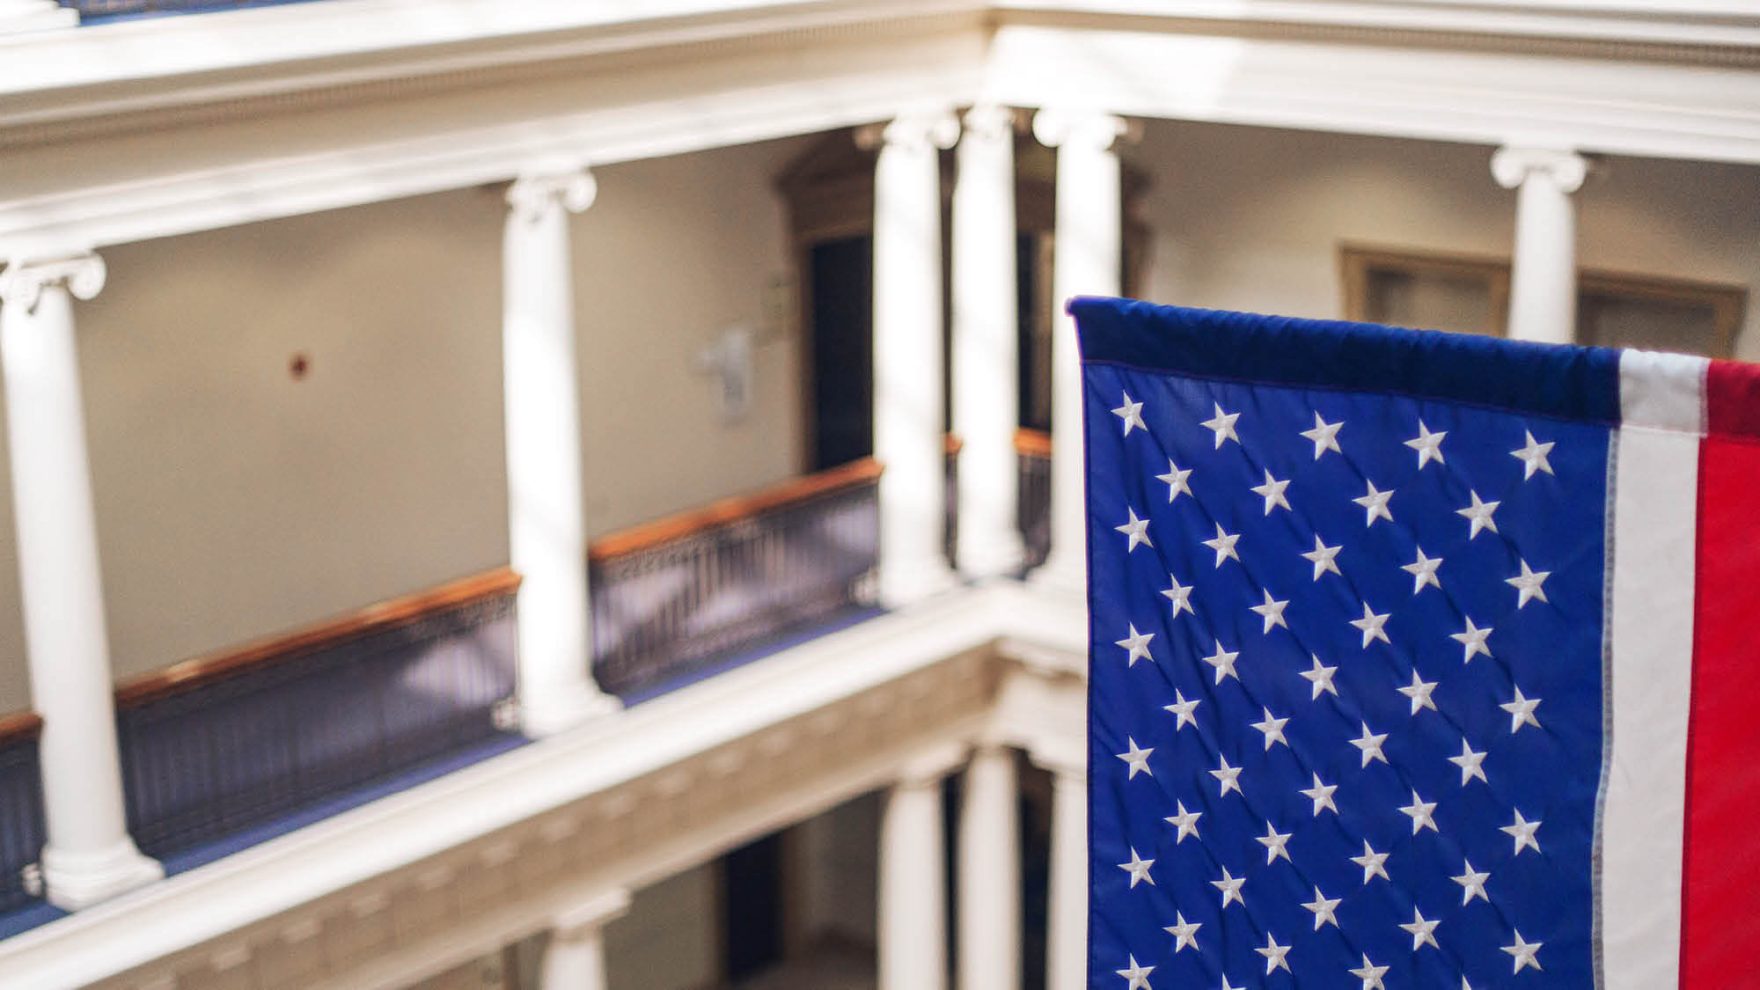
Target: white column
point(986, 360)
point(547, 534)
point(1067, 924)
point(1543, 280)
point(35, 15)
point(575, 957)
point(1087, 259)
point(990, 874)
point(909, 419)
point(913, 881)
point(89, 856)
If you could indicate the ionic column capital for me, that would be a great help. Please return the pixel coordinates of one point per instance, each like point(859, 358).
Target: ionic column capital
point(915, 130)
point(1511, 166)
point(989, 122)
point(540, 191)
point(23, 282)
point(1057, 127)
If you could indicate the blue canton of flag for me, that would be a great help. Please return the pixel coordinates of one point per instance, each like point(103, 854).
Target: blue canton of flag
point(1346, 672)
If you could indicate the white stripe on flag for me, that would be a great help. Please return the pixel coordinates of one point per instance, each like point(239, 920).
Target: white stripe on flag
point(1654, 525)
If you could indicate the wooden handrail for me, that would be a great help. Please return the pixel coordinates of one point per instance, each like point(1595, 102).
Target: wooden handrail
point(20, 727)
point(729, 510)
point(190, 674)
point(1032, 443)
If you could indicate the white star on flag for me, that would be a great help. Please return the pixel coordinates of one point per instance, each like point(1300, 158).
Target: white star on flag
point(1427, 444)
point(1223, 661)
point(1374, 503)
point(1137, 975)
point(1370, 974)
point(1138, 645)
point(1274, 843)
point(1271, 612)
point(1175, 479)
point(1370, 745)
point(1528, 585)
point(1272, 492)
point(1422, 813)
point(1521, 712)
point(1136, 529)
point(1320, 676)
point(1180, 595)
point(1323, 557)
point(1522, 831)
point(1526, 953)
point(1472, 639)
point(1182, 710)
point(1137, 759)
point(1227, 778)
point(1422, 931)
point(1419, 692)
point(1373, 864)
point(1471, 764)
point(1321, 795)
point(1185, 821)
point(1533, 456)
point(1324, 908)
point(1423, 571)
point(1274, 955)
point(1371, 626)
point(1472, 883)
point(1231, 888)
point(1132, 414)
point(1324, 435)
point(1138, 868)
point(1222, 424)
point(1185, 932)
point(1479, 515)
point(1272, 728)
point(1224, 545)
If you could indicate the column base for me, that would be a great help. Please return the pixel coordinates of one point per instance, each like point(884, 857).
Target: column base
point(559, 710)
point(81, 879)
point(904, 584)
point(1062, 573)
point(992, 558)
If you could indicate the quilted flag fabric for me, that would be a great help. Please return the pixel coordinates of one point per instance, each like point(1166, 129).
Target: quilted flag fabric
point(1417, 659)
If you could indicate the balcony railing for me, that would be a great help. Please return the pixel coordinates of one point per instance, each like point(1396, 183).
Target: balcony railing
point(679, 595)
point(21, 810)
point(220, 745)
point(100, 10)
point(1033, 453)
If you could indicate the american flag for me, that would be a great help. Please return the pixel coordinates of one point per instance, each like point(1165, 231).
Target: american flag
point(1396, 639)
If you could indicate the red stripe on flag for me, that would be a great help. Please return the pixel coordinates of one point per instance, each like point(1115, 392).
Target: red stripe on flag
point(1721, 872)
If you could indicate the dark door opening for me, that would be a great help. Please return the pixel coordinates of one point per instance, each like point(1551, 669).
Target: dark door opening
point(751, 907)
point(842, 293)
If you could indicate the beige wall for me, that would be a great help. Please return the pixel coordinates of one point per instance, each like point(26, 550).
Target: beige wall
point(1251, 218)
point(234, 501)
point(670, 939)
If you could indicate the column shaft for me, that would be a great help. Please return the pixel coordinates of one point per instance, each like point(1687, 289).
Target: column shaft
point(990, 874)
point(547, 534)
point(909, 414)
point(1543, 277)
point(1088, 259)
point(1067, 938)
point(986, 348)
point(913, 892)
point(575, 957)
point(89, 856)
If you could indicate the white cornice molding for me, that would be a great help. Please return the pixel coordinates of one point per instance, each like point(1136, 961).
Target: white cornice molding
point(1718, 24)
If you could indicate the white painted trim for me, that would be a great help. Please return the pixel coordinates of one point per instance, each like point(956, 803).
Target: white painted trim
point(1651, 647)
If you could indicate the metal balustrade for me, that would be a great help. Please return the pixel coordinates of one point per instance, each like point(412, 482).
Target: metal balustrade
point(676, 596)
point(91, 11)
point(1033, 452)
point(21, 811)
point(217, 746)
